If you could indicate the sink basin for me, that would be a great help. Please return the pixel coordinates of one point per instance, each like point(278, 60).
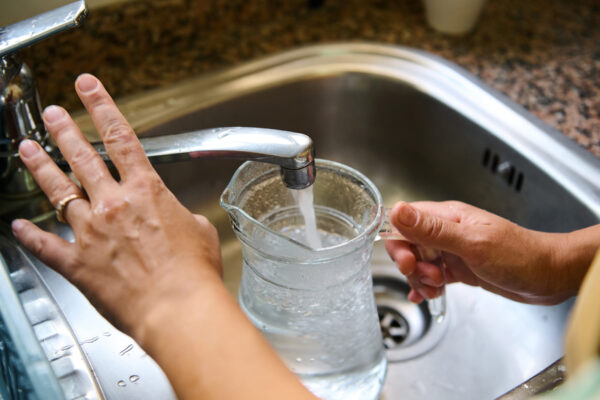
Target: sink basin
point(420, 128)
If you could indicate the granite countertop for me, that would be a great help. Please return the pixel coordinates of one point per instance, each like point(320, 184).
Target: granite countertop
point(543, 54)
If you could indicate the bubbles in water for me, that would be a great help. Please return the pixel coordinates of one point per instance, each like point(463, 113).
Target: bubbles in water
point(330, 338)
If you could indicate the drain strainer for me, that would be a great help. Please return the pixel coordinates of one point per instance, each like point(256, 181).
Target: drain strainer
point(394, 328)
point(408, 329)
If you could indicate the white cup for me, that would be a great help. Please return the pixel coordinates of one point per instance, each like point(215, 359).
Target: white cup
point(453, 16)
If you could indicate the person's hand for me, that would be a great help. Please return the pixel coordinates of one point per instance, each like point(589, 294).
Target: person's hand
point(482, 249)
point(136, 247)
point(148, 264)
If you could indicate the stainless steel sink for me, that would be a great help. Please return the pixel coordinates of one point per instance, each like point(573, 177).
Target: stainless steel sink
point(420, 128)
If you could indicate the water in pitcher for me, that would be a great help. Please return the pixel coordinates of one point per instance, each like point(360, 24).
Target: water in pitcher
point(314, 330)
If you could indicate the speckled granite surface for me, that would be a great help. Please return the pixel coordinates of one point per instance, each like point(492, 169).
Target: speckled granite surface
point(543, 54)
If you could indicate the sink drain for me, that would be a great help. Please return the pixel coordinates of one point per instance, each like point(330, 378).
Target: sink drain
point(394, 328)
point(408, 329)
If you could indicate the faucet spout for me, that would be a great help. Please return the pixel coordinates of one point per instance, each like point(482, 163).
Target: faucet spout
point(293, 152)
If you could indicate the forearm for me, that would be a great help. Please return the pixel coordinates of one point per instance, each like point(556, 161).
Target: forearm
point(209, 350)
point(573, 253)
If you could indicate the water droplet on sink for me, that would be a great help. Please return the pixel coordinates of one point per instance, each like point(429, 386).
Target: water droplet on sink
point(134, 378)
point(90, 340)
point(106, 334)
point(126, 350)
point(121, 383)
point(299, 359)
point(223, 133)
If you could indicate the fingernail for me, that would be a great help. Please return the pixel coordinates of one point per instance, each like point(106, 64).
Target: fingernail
point(17, 225)
point(407, 215)
point(86, 83)
point(53, 113)
point(28, 148)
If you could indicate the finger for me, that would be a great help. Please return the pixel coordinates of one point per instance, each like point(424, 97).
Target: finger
point(430, 292)
point(428, 230)
point(458, 271)
point(85, 162)
point(49, 248)
point(430, 274)
point(51, 179)
point(400, 251)
point(424, 290)
point(415, 297)
point(122, 144)
point(450, 210)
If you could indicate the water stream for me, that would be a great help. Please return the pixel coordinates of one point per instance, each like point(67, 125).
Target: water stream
point(304, 198)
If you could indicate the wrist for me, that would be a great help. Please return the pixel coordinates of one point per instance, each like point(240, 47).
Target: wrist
point(572, 254)
point(169, 300)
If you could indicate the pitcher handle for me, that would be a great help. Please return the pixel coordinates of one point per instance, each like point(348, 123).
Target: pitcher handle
point(437, 306)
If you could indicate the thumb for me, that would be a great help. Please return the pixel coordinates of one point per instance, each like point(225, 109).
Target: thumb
point(426, 229)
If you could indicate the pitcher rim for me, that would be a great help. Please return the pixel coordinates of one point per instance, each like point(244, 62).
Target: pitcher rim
point(372, 228)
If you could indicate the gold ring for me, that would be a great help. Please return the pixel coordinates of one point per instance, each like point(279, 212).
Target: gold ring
point(62, 205)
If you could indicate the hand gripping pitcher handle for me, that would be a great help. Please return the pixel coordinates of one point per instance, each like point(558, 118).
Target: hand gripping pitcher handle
point(437, 306)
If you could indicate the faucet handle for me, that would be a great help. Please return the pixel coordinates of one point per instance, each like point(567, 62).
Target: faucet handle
point(32, 30)
point(20, 106)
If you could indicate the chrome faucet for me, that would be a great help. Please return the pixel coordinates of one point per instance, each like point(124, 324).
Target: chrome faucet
point(20, 107)
point(293, 152)
point(20, 118)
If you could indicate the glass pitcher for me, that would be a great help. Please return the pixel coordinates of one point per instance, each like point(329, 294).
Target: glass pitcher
point(315, 306)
